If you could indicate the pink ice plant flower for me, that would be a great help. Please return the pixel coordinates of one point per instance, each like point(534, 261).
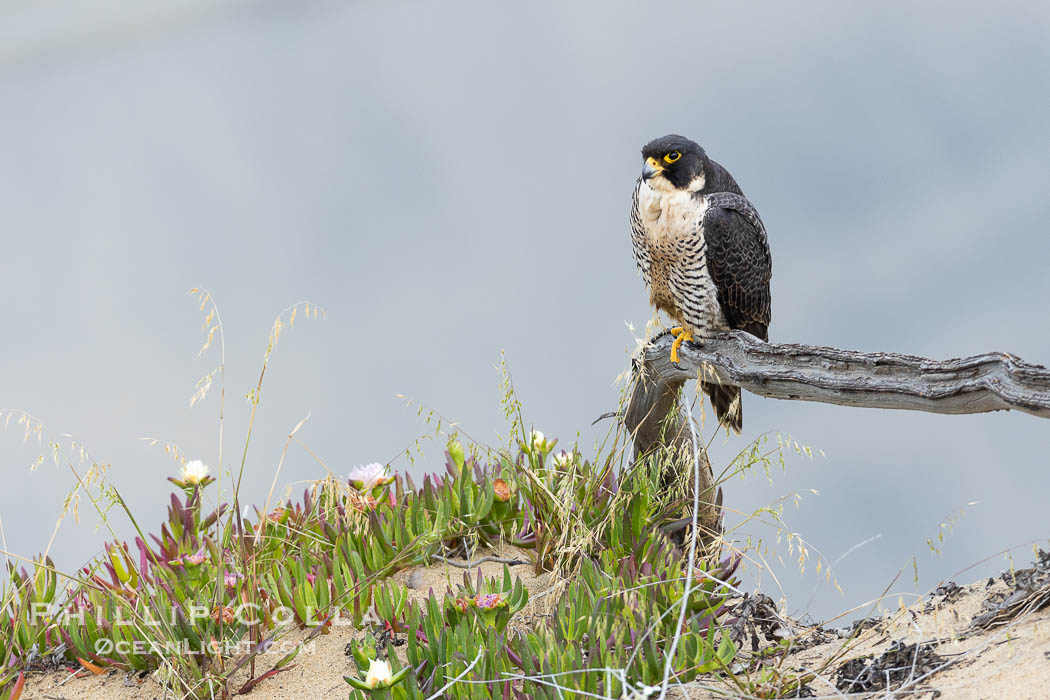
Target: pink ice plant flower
point(197, 557)
point(488, 601)
point(368, 476)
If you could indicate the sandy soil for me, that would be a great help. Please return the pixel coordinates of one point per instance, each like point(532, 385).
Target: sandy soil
point(1011, 660)
point(1008, 661)
point(318, 671)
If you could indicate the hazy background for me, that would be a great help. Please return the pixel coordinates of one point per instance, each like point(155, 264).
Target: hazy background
point(453, 179)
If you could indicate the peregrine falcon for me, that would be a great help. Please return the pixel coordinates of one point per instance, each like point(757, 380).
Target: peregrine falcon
point(702, 251)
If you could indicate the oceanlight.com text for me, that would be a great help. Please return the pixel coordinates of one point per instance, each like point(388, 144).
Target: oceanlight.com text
point(182, 647)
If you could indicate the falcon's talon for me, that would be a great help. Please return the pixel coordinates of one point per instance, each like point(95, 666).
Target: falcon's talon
point(680, 337)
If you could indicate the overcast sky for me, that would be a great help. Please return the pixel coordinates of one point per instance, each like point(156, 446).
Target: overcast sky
point(449, 180)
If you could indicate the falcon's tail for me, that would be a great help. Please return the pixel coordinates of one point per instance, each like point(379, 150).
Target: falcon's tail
point(727, 404)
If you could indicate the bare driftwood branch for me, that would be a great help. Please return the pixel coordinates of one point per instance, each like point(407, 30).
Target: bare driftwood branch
point(994, 381)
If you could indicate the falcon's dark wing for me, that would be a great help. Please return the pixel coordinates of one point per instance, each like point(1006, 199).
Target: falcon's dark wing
point(739, 261)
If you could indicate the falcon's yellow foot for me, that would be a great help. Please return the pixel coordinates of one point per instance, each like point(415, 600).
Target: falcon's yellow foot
point(680, 336)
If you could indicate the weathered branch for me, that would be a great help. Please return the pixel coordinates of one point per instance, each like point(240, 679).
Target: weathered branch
point(991, 382)
point(995, 381)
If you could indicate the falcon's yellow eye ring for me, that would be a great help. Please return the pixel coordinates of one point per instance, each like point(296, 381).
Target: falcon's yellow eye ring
point(672, 156)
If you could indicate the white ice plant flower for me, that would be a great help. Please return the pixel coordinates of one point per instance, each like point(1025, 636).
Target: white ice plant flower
point(538, 440)
point(378, 675)
point(368, 476)
point(562, 459)
point(194, 472)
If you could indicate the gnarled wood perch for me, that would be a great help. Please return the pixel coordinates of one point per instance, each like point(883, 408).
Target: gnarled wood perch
point(995, 381)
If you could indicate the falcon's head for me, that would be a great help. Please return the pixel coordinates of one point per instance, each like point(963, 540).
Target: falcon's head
point(674, 162)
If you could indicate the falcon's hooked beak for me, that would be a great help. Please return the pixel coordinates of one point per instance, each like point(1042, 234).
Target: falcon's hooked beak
point(651, 168)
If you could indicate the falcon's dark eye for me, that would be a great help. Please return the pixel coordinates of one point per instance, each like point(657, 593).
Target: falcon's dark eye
point(672, 156)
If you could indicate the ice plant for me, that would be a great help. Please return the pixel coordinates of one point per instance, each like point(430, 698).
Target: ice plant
point(378, 674)
point(562, 459)
point(361, 502)
point(537, 440)
point(196, 558)
point(224, 614)
point(456, 453)
point(500, 490)
point(368, 477)
point(230, 578)
point(194, 473)
point(488, 601)
point(488, 605)
point(379, 677)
